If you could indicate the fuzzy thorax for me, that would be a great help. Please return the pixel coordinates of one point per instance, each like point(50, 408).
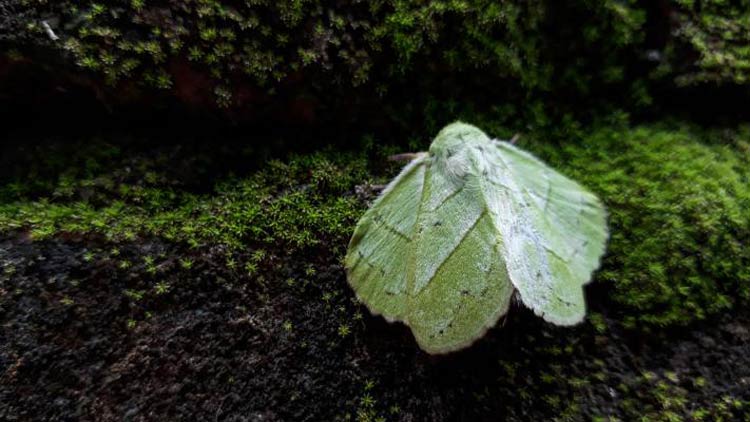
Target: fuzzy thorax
point(455, 138)
point(454, 151)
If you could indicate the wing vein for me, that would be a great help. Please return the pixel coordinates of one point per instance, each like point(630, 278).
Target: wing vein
point(451, 195)
point(411, 259)
point(463, 237)
point(383, 223)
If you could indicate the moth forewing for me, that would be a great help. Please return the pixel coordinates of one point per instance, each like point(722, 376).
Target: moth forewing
point(567, 224)
point(377, 252)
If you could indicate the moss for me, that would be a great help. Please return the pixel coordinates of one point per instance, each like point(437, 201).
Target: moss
point(516, 47)
point(678, 202)
point(710, 43)
point(545, 60)
point(677, 196)
point(292, 204)
point(662, 398)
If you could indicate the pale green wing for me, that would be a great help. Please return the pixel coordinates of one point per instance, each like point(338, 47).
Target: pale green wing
point(457, 279)
point(377, 254)
point(554, 232)
point(427, 254)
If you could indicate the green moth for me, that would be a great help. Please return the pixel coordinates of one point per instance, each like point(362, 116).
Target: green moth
point(464, 226)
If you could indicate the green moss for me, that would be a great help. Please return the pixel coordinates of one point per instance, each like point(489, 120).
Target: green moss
point(662, 398)
point(291, 204)
point(678, 201)
point(517, 46)
point(547, 59)
point(710, 44)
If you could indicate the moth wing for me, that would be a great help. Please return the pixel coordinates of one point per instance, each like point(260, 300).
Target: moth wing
point(378, 250)
point(457, 278)
point(555, 233)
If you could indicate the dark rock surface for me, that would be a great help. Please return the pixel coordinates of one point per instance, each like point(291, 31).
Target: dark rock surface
point(84, 337)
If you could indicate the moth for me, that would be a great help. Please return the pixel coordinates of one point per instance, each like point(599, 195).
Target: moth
point(463, 228)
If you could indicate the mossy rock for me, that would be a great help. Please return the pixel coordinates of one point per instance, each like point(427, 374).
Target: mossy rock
point(127, 256)
point(678, 200)
point(679, 219)
point(247, 54)
point(393, 59)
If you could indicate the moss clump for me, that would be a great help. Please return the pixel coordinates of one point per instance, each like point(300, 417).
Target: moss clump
point(710, 42)
point(537, 44)
point(547, 58)
point(679, 219)
point(292, 204)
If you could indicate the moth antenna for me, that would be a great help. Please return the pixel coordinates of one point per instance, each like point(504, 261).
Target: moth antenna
point(406, 156)
point(515, 138)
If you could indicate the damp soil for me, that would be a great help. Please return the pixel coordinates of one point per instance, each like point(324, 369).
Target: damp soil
point(85, 338)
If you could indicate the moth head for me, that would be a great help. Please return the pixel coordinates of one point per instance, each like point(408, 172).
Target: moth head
point(455, 138)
